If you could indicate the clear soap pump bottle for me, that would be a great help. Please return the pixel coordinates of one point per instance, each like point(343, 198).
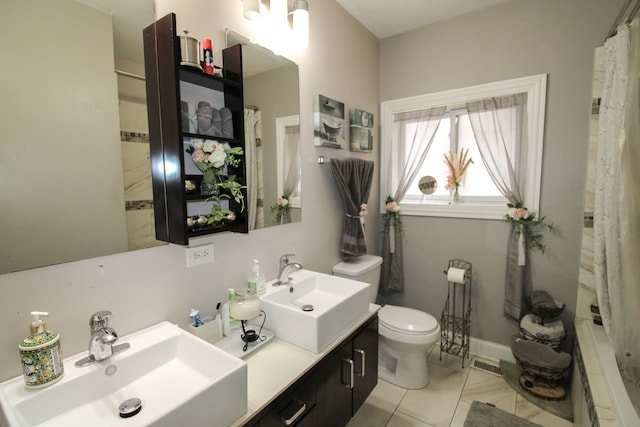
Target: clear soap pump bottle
point(40, 354)
point(256, 280)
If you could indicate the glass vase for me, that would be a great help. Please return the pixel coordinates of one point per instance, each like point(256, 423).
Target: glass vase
point(208, 187)
point(454, 196)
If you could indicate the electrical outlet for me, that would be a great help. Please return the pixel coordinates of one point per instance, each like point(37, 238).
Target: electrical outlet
point(199, 255)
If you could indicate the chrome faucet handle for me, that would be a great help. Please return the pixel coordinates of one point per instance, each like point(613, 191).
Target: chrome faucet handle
point(99, 320)
point(284, 259)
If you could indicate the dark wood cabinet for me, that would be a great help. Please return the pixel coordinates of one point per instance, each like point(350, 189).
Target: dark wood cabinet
point(174, 93)
point(365, 359)
point(334, 389)
point(296, 407)
point(349, 375)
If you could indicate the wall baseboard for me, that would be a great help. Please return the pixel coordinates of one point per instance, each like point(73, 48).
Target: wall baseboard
point(490, 350)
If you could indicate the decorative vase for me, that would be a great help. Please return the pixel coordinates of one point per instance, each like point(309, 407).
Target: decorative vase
point(208, 187)
point(454, 196)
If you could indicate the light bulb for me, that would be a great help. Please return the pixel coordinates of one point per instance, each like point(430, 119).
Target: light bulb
point(251, 9)
point(301, 22)
point(278, 11)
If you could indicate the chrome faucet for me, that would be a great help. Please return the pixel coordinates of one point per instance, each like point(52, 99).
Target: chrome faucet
point(286, 268)
point(103, 338)
point(284, 261)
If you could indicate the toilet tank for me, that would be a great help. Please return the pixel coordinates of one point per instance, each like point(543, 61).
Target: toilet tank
point(365, 268)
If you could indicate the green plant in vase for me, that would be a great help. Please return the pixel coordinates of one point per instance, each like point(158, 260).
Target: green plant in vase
point(235, 188)
point(218, 213)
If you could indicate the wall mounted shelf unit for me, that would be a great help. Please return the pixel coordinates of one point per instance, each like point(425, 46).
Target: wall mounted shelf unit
point(170, 88)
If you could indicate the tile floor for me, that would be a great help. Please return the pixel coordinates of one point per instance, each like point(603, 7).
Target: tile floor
point(446, 401)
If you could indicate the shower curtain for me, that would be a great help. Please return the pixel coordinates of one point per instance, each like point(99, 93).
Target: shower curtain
point(616, 219)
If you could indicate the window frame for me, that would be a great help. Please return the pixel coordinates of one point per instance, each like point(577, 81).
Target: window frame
point(534, 86)
point(282, 123)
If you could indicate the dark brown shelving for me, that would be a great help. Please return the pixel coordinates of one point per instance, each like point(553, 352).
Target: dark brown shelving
point(170, 164)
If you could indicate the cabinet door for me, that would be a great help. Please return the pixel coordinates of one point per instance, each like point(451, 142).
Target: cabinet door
point(333, 388)
point(365, 359)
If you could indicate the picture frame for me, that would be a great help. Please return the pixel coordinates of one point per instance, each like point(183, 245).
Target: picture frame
point(328, 122)
point(360, 130)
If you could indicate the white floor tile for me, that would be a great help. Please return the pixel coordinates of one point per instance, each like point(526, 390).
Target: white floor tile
point(488, 388)
point(446, 401)
point(535, 414)
point(461, 414)
point(437, 402)
point(403, 420)
point(379, 406)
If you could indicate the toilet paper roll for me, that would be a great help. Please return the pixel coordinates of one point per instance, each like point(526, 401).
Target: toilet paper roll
point(456, 275)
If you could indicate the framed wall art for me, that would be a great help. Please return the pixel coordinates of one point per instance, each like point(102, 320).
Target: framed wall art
point(328, 122)
point(360, 130)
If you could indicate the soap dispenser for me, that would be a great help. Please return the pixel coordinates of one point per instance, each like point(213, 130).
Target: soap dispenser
point(40, 354)
point(257, 282)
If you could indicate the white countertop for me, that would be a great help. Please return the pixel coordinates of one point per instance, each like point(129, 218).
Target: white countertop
point(279, 364)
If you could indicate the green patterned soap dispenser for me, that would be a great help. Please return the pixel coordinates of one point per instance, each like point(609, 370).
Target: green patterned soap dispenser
point(40, 354)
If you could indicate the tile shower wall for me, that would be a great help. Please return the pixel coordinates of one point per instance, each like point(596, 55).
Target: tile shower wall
point(136, 165)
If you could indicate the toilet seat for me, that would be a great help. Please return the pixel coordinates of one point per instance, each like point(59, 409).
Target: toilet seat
point(407, 320)
point(407, 324)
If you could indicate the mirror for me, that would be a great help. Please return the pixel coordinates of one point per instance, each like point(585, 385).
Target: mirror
point(272, 102)
point(74, 153)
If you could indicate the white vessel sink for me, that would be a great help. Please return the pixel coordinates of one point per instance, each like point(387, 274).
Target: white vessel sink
point(180, 379)
point(337, 304)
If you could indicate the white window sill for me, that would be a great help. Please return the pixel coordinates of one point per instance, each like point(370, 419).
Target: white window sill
point(490, 211)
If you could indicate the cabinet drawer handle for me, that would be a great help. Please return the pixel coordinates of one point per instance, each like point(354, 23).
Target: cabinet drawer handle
point(362, 361)
point(351, 372)
point(294, 417)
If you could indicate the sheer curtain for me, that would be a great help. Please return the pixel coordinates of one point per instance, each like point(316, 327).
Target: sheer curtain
point(616, 222)
point(253, 153)
point(291, 165)
point(500, 129)
point(415, 130)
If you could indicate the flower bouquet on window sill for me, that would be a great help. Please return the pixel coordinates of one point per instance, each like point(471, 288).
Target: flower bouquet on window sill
point(529, 227)
point(457, 163)
point(281, 208)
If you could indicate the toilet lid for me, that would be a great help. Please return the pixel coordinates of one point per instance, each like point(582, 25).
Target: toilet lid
point(407, 320)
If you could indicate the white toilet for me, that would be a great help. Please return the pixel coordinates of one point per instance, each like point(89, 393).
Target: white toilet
point(406, 335)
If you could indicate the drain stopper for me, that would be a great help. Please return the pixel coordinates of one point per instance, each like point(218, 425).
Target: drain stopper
point(130, 407)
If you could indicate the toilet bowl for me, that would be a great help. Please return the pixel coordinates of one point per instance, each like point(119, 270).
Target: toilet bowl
point(406, 335)
point(406, 338)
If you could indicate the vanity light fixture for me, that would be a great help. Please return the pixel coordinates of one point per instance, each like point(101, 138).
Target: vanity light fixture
point(251, 9)
point(300, 23)
point(286, 19)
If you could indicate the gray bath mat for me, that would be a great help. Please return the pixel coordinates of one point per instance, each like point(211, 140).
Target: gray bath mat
point(485, 415)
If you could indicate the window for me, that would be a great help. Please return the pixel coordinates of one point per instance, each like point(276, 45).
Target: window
point(288, 158)
point(480, 198)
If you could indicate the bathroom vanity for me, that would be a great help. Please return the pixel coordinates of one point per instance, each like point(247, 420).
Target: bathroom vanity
point(292, 386)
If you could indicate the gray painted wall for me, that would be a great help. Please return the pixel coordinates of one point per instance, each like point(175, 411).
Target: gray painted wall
point(150, 285)
point(343, 62)
point(512, 40)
